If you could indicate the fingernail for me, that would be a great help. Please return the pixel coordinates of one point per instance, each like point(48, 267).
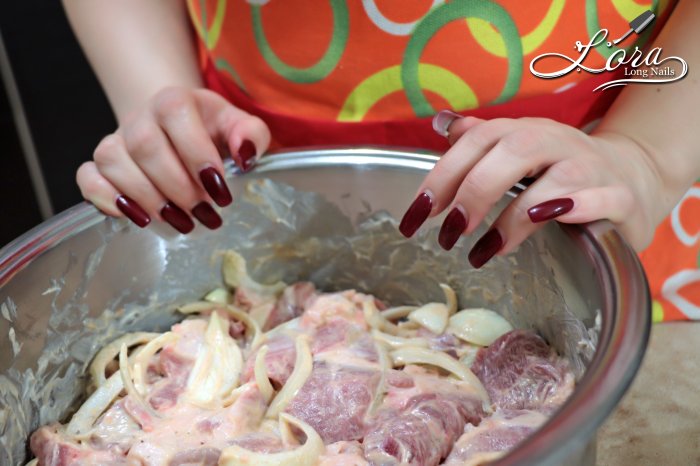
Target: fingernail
point(215, 184)
point(550, 209)
point(131, 209)
point(177, 217)
point(442, 121)
point(416, 214)
point(452, 228)
point(206, 214)
point(484, 249)
point(246, 155)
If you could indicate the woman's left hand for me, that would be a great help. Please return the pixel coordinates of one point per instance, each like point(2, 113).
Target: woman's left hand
point(579, 178)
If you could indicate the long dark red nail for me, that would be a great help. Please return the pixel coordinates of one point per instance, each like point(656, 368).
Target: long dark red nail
point(131, 209)
point(452, 228)
point(550, 209)
point(215, 184)
point(484, 249)
point(246, 155)
point(177, 217)
point(416, 215)
point(207, 215)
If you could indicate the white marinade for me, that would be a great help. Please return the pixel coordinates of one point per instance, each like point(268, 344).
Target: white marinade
point(285, 375)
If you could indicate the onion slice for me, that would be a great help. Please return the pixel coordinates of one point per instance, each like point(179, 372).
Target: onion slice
point(217, 295)
point(83, 420)
point(394, 341)
point(432, 316)
point(128, 382)
point(111, 351)
point(197, 307)
point(479, 326)
point(305, 455)
point(450, 298)
point(218, 366)
point(236, 275)
point(384, 368)
point(398, 312)
point(302, 370)
point(261, 378)
point(375, 320)
point(413, 355)
point(142, 359)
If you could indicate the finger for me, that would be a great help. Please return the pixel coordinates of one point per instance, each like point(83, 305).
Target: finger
point(178, 115)
point(441, 184)
point(461, 126)
point(248, 138)
point(515, 223)
point(519, 154)
point(98, 190)
point(113, 163)
point(452, 125)
point(151, 151)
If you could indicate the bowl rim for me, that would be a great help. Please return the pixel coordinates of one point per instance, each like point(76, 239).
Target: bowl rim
point(623, 336)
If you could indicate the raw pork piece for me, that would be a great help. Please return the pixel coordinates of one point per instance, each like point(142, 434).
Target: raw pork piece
point(52, 447)
point(419, 422)
point(343, 342)
point(279, 360)
point(520, 371)
point(494, 436)
point(335, 399)
point(271, 310)
point(291, 304)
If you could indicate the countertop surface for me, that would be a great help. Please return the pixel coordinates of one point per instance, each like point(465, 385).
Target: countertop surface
point(658, 421)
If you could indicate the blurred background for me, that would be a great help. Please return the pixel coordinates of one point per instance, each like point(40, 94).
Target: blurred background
point(52, 114)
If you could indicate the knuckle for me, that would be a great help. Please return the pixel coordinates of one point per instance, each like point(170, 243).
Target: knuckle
point(485, 133)
point(89, 181)
point(107, 150)
point(521, 141)
point(171, 101)
point(141, 137)
point(573, 172)
point(475, 186)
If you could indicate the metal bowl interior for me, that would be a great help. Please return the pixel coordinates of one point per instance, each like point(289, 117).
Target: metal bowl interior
point(80, 279)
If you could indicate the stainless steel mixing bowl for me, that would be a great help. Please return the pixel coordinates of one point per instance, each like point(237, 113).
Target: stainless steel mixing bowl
point(80, 279)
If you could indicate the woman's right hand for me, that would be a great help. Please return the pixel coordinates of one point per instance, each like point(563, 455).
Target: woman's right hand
point(165, 160)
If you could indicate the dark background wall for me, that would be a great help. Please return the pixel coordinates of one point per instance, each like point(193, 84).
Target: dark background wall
point(66, 112)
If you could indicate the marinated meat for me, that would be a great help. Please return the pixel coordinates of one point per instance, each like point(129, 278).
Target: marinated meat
point(334, 401)
point(352, 394)
point(520, 371)
point(494, 436)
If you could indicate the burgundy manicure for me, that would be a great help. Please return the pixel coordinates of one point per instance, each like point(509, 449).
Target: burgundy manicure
point(550, 209)
point(215, 185)
point(206, 214)
point(416, 215)
point(452, 228)
point(177, 217)
point(246, 155)
point(131, 209)
point(484, 249)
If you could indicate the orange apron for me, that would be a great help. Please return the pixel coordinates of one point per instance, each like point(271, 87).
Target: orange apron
point(375, 71)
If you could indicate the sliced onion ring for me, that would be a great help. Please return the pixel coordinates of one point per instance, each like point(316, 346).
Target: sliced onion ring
point(203, 306)
point(261, 378)
point(111, 351)
point(395, 342)
point(236, 275)
point(414, 355)
point(142, 359)
point(305, 455)
point(302, 370)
